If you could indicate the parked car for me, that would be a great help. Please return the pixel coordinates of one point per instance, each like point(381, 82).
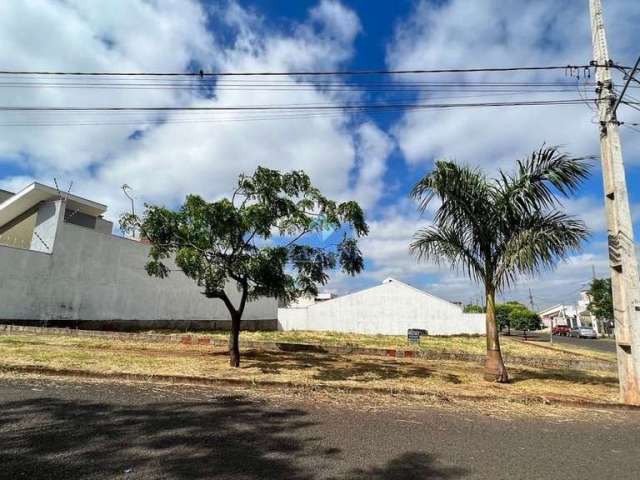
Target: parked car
point(561, 330)
point(584, 332)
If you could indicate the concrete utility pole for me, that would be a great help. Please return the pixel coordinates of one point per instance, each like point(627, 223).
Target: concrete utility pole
point(624, 266)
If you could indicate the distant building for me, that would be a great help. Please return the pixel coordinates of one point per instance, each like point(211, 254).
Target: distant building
point(574, 316)
point(60, 261)
point(388, 309)
point(307, 300)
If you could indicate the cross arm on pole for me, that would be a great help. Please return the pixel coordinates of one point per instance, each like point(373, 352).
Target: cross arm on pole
point(624, 89)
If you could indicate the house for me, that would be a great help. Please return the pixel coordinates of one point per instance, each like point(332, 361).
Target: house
point(60, 261)
point(388, 309)
point(559, 315)
point(573, 316)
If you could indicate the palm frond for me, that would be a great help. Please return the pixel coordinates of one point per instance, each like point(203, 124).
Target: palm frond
point(445, 243)
point(457, 186)
point(466, 200)
point(538, 243)
point(539, 176)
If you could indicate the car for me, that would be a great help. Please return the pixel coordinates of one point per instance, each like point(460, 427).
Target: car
point(584, 332)
point(561, 330)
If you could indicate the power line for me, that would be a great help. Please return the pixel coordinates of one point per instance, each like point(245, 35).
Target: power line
point(202, 73)
point(294, 107)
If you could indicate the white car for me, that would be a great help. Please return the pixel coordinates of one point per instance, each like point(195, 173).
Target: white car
point(584, 332)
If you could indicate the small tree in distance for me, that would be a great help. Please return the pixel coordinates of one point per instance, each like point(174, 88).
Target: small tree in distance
point(230, 241)
point(503, 311)
point(524, 319)
point(471, 308)
point(601, 304)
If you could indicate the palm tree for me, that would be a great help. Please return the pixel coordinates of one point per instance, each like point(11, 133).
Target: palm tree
point(496, 229)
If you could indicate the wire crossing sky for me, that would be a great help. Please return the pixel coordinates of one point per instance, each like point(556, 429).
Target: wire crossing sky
point(176, 98)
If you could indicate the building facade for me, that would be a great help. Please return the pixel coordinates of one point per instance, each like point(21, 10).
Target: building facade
point(573, 316)
point(387, 309)
point(59, 261)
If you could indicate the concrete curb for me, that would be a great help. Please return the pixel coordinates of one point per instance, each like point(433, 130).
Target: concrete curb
point(541, 362)
point(204, 381)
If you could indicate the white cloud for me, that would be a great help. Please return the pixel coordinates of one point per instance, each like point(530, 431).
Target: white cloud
point(460, 33)
point(89, 36)
point(497, 33)
point(373, 148)
point(164, 162)
point(346, 157)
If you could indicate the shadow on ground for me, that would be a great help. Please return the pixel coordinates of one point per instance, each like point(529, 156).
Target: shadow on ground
point(335, 368)
point(226, 437)
point(573, 376)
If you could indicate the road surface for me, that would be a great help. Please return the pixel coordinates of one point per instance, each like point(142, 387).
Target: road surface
point(67, 430)
point(600, 344)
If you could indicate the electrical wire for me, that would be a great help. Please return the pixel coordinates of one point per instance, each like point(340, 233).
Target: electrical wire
point(193, 115)
point(399, 95)
point(364, 106)
point(309, 73)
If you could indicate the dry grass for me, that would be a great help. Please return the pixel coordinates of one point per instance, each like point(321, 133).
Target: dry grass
point(458, 344)
point(304, 370)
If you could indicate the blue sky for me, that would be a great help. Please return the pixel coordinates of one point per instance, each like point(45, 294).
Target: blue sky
point(374, 159)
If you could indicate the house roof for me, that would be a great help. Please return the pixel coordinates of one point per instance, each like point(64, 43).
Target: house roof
point(557, 309)
point(385, 282)
point(35, 193)
point(424, 292)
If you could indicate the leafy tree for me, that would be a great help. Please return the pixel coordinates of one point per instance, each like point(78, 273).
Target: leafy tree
point(601, 305)
point(496, 229)
point(503, 314)
point(229, 241)
point(470, 308)
point(524, 319)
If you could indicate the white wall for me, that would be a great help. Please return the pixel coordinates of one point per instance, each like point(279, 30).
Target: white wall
point(48, 222)
point(97, 276)
point(388, 309)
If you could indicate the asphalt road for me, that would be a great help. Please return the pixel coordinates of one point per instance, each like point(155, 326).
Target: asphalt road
point(67, 431)
point(599, 344)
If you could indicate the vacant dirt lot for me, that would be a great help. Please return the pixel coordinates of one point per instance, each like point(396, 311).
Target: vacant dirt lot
point(412, 376)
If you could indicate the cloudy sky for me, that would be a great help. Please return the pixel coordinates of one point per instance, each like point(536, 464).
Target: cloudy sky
point(374, 158)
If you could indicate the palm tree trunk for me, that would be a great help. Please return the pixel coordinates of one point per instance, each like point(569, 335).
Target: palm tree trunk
point(234, 347)
point(494, 369)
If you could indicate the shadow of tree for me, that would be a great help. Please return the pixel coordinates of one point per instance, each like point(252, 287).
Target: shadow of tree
point(410, 466)
point(225, 437)
point(362, 371)
point(575, 376)
point(336, 368)
point(53, 438)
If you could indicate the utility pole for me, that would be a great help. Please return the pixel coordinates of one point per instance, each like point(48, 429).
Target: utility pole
point(622, 259)
point(531, 301)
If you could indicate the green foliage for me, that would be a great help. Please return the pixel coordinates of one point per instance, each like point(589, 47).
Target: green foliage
point(470, 308)
point(524, 319)
point(497, 229)
point(517, 316)
point(503, 310)
point(601, 305)
point(230, 240)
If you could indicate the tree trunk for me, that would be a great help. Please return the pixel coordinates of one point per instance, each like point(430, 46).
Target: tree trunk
point(494, 369)
point(234, 347)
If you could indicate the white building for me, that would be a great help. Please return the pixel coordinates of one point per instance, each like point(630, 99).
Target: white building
point(388, 309)
point(559, 315)
point(60, 261)
point(573, 316)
